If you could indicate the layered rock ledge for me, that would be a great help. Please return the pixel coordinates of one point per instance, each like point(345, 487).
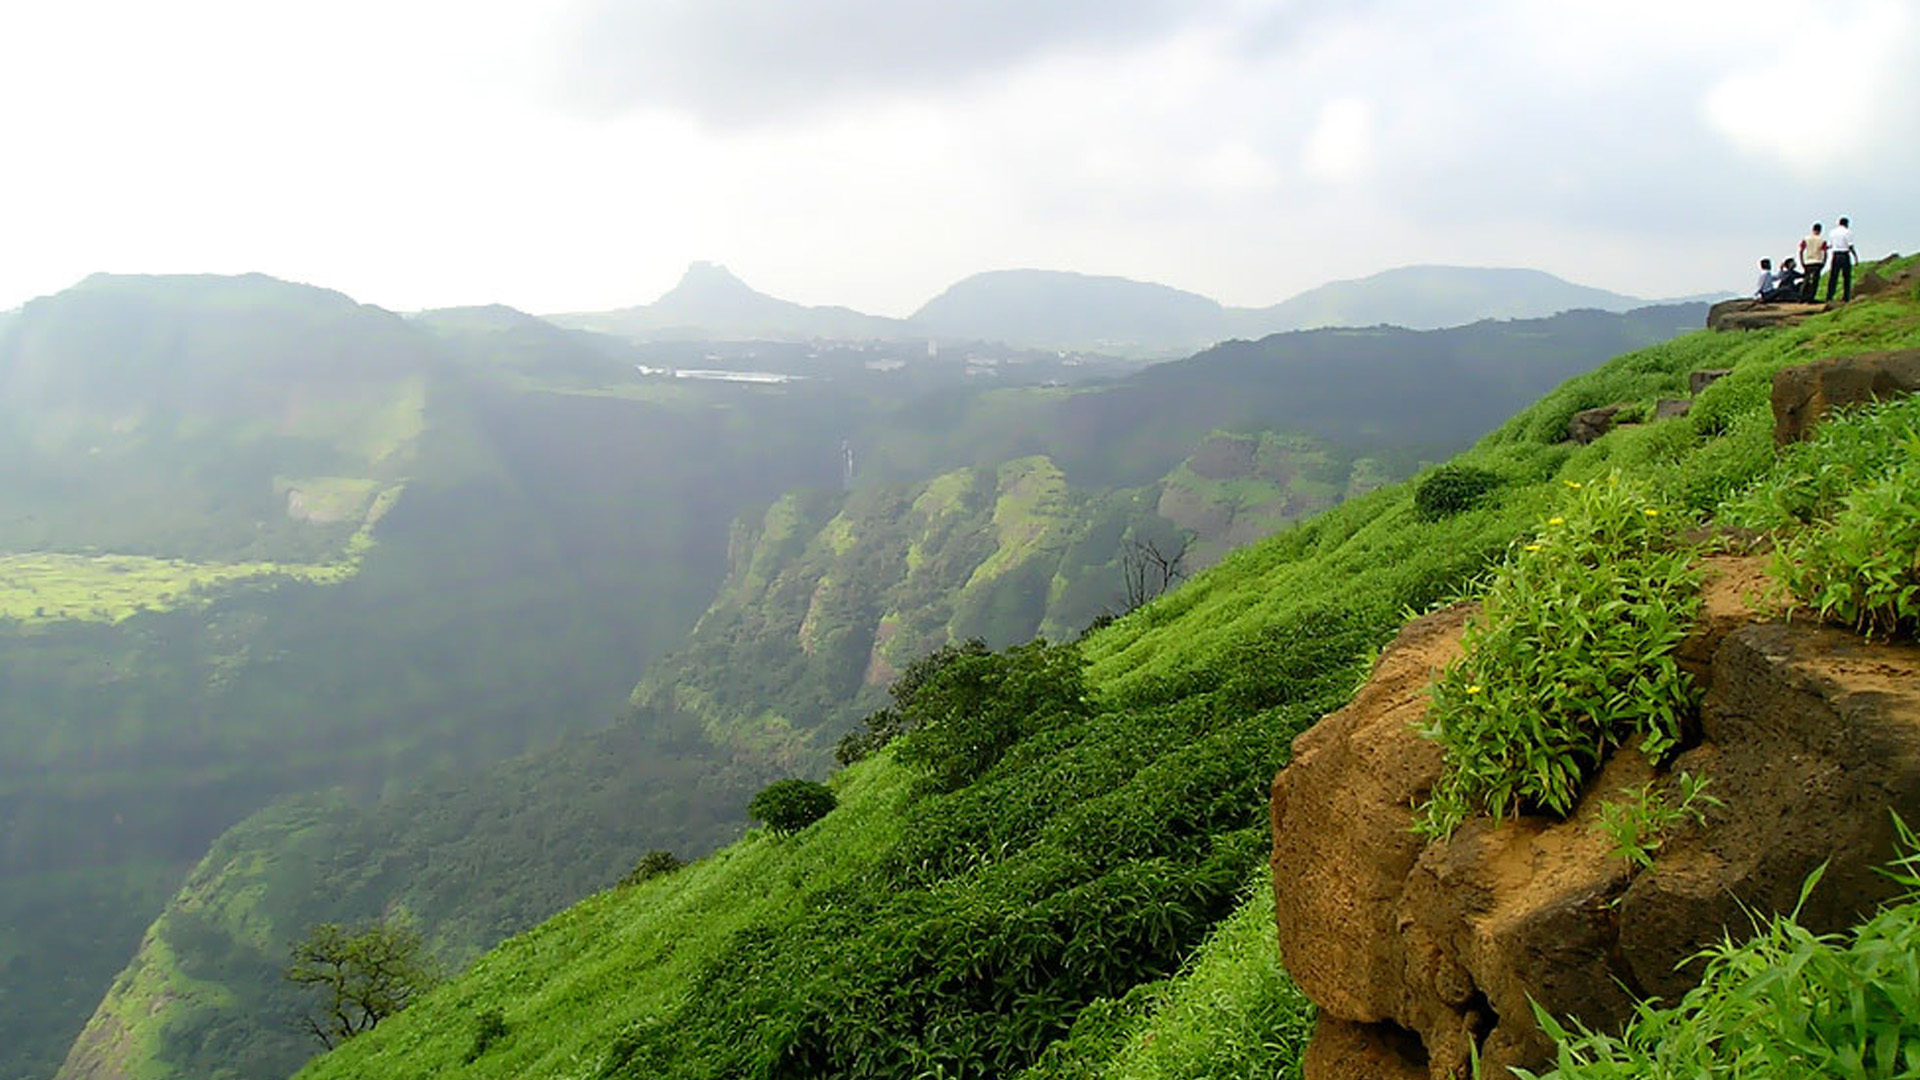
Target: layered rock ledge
point(1421, 955)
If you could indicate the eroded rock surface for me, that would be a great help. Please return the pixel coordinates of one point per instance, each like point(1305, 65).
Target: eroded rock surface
point(1805, 394)
point(1419, 955)
point(1754, 315)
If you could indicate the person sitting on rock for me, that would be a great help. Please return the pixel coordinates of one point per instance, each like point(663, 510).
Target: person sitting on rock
point(1768, 280)
point(1786, 287)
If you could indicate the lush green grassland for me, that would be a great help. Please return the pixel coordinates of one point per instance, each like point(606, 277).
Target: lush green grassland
point(1081, 908)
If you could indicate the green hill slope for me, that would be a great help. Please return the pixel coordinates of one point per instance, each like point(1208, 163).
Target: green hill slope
point(318, 545)
point(1087, 905)
point(829, 595)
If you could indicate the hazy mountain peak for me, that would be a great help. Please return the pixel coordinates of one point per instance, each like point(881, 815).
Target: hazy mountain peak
point(707, 282)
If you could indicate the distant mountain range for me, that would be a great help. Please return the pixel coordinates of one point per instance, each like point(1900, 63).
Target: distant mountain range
point(1061, 310)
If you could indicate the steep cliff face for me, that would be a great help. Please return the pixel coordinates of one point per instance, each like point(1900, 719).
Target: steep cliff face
point(1424, 955)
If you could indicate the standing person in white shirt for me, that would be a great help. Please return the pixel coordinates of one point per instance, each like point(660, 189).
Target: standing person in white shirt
point(1841, 243)
point(1813, 255)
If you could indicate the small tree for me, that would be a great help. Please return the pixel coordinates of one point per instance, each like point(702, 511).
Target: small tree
point(364, 975)
point(787, 806)
point(1151, 567)
point(652, 865)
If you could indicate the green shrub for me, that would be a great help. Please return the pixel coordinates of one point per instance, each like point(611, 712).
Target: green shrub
point(1571, 656)
point(787, 806)
point(1786, 1005)
point(651, 865)
point(489, 1027)
point(875, 731)
point(1810, 479)
point(1451, 489)
point(1863, 569)
point(965, 713)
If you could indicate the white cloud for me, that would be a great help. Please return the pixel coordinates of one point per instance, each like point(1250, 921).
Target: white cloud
point(1848, 76)
point(1340, 150)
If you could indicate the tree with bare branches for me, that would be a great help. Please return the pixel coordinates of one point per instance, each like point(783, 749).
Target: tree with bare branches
point(1151, 567)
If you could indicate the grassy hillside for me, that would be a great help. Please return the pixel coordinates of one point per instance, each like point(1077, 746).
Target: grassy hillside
point(1087, 904)
point(830, 594)
point(349, 553)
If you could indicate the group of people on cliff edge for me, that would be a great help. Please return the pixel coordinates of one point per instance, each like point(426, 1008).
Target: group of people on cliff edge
point(1800, 280)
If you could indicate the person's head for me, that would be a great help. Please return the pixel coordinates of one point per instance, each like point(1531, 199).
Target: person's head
point(1843, 224)
point(1816, 228)
point(1766, 264)
point(1787, 265)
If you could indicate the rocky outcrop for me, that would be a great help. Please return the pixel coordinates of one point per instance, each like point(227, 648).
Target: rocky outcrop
point(1754, 315)
point(1589, 424)
point(1421, 956)
point(1705, 377)
point(1805, 394)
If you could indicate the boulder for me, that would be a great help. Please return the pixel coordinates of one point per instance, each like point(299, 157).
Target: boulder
point(1754, 315)
point(1705, 377)
point(1424, 956)
point(1589, 424)
point(1803, 395)
point(1670, 408)
point(1343, 1051)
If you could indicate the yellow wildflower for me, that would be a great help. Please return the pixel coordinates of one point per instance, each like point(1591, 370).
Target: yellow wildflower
point(1651, 512)
point(1556, 521)
point(1473, 688)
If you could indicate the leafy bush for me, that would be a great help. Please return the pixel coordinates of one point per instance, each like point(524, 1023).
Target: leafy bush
point(967, 711)
point(787, 806)
point(1863, 569)
point(651, 865)
point(489, 1027)
point(876, 730)
point(1571, 656)
point(1451, 489)
point(1785, 1005)
point(1810, 479)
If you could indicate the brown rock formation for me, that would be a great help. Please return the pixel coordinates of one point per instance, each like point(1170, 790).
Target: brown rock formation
point(1589, 424)
point(1671, 408)
point(1705, 377)
point(1754, 315)
point(1805, 394)
point(1420, 954)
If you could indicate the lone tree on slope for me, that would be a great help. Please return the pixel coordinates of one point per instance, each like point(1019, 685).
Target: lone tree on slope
point(365, 975)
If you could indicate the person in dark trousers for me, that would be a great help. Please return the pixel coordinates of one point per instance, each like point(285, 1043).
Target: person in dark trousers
point(1787, 288)
point(1813, 255)
point(1840, 243)
point(1768, 280)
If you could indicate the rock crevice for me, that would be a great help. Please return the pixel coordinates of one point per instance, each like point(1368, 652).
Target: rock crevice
point(1420, 955)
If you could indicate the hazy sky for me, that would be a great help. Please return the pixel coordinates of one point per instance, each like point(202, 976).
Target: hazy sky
point(568, 156)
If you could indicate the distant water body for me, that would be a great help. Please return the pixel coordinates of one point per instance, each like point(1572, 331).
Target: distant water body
point(718, 375)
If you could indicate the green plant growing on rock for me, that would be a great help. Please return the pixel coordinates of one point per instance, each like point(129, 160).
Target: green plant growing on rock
point(1638, 824)
point(787, 806)
point(1863, 568)
point(1570, 657)
point(1784, 1005)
